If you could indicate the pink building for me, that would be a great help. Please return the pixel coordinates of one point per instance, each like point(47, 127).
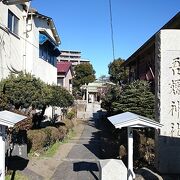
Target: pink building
point(64, 75)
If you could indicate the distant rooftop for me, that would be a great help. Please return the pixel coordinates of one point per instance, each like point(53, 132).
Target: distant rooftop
point(63, 67)
point(72, 56)
point(70, 51)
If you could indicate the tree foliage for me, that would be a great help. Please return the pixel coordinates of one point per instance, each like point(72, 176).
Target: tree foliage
point(117, 72)
point(135, 97)
point(25, 90)
point(84, 73)
point(60, 97)
point(110, 94)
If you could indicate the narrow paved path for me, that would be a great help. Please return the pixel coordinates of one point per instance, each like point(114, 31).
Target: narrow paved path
point(82, 161)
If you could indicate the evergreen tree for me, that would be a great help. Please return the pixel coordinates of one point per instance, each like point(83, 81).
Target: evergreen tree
point(24, 90)
point(110, 95)
point(137, 98)
point(118, 74)
point(60, 97)
point(84, 74)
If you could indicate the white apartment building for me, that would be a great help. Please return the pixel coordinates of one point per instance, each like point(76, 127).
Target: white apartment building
point(28, 42)
point(72, 56)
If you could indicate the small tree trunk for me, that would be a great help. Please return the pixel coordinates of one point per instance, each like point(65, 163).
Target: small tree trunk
point(41, 116)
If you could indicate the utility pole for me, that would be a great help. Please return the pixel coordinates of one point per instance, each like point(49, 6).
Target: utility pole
point(112, 33)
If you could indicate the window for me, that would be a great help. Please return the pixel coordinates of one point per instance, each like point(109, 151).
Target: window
point(47, 55)
point(60, 81)
point(13, 23)
point(47, 49)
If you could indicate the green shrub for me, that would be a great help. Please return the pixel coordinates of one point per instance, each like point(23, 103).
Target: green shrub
point(71, 114)
point(48, 134)
point(18, 176)
point(62, 132)
point(68, 123)
point(37, 140)
point(52, 133)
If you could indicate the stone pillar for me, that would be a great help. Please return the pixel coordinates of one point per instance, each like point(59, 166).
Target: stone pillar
point(167, 94)
point(112, 169)
point(2, 152)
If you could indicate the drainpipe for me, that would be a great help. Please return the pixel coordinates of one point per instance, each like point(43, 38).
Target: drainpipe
point(25, 37)
point(2, 43)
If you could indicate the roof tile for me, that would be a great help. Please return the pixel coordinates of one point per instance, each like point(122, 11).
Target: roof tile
point(63, 67)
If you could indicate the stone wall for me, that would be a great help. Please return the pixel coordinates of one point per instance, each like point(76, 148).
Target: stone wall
point(81, 108)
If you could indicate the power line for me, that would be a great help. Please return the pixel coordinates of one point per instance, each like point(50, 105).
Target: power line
point(111, 25)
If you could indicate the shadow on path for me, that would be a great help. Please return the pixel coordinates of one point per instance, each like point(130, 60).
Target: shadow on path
point(86, 166)
point(15, 163)
point(93, 131)
point(82, 161)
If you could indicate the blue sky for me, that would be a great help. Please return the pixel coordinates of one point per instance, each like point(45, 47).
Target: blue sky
point(84, 25)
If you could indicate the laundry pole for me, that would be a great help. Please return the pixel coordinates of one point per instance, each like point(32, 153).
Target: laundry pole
point(131, 174)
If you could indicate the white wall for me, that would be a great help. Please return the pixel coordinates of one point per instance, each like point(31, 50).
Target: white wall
point(42, 24)
point(45, 71)
point(34, 64)
point(66, 81)
point(22, 51)
point(11, 47)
